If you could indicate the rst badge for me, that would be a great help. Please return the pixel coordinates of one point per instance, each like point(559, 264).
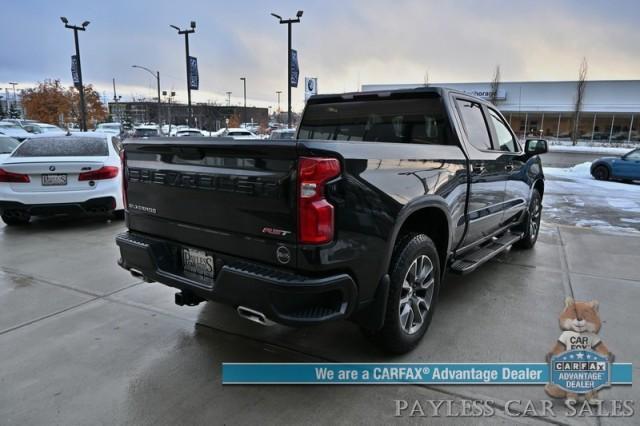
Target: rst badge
point(274, 231)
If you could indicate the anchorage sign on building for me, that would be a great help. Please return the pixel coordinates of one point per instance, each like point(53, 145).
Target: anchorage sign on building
point(486, 94)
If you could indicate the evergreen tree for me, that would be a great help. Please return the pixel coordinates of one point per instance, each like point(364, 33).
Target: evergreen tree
point(14, 112)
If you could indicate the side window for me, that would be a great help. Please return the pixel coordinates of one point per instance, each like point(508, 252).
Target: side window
point(506, 141)
point(474, 124)
point(633, 155)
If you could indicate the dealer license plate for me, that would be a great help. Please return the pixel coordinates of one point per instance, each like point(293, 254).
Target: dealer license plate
point(198, 264)
point(54, 180)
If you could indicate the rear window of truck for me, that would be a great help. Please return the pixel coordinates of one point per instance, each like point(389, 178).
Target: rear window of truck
point(63, 147)
point(420, 121)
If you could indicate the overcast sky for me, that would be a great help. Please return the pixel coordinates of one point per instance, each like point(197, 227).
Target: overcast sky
point(343, 43)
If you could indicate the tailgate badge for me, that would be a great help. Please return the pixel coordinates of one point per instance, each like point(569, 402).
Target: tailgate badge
point(274, 231)
point(283, 255)
point(142, 208)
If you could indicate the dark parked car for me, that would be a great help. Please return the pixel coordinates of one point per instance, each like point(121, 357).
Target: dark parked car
point(625, 168)
point(358, 218)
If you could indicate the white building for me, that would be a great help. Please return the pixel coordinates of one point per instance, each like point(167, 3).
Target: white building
point(610, 109)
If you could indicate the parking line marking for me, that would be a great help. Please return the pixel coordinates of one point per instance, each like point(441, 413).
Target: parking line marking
point(566, 276)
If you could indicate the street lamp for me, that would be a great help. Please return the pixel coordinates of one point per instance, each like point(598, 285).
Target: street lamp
point(83, 109)
point(156, 75)
point(170, 95)
point(116, 98)
point(186, 48)
point(244, 80)
point(289, 22)
point(15, 97)
point(278, 92)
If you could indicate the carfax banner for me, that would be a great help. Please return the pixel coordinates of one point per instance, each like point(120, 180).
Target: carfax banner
point(578, 375)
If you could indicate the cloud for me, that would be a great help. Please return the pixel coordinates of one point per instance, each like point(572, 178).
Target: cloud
point(343, 43)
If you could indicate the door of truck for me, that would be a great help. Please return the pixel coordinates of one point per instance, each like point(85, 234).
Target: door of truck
point(488, 172)
point(517, 187)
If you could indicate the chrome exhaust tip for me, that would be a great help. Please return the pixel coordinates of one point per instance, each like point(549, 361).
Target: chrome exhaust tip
point(139, 275)
point(136, 274)
point(255, 316)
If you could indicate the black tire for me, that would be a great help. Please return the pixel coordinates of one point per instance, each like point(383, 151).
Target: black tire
point(532, 222)
point(601, 173)
point(15, 219)
point(395, 336)
point(118, 214)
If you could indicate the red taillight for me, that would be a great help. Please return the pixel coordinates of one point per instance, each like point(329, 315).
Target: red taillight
point(315, 213)
point(106, 172)
point(6, 176)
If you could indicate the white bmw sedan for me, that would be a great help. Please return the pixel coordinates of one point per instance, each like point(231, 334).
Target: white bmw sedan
point(79, 173)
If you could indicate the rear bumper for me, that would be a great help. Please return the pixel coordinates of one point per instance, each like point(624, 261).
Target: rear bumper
point(94, 205)
point(104, 188)
point(282, 296)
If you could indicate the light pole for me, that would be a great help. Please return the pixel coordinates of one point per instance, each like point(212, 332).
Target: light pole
point(15, 98)
point(116, 98)
point(186, 48)
point(279, 92)
point(289, 22)
point(156, 75)
point(244, 111)
point(170, 95)
point(228, 98)
point(75, 28)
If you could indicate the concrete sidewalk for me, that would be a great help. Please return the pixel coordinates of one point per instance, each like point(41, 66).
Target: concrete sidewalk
point(83, 342)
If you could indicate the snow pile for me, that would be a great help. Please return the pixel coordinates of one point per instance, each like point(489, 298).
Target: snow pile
point(589, 149)
point(579, 171)
point(573, 197)
point(584, 183)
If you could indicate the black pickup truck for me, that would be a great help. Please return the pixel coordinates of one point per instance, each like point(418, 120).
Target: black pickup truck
point(357, 218)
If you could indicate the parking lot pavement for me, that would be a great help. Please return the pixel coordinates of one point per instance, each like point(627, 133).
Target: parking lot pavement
point(83, 342)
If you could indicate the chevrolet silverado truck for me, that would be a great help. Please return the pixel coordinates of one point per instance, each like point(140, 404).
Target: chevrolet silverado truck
point(358, 217)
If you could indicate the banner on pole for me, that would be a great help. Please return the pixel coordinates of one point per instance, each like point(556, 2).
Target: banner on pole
point(74, 71)
point(295, 70)
point(194, 79)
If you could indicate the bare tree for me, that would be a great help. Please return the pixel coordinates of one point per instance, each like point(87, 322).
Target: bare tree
point(580, 86)
point(495, 85)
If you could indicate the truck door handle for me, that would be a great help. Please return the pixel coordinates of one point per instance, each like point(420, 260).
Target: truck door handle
point(509, 167)
point(477, 169)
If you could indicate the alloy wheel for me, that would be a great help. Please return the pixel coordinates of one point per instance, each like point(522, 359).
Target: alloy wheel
point(416, 295)
point(534, 218)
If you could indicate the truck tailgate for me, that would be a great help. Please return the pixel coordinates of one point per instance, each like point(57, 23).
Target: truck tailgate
point(232, 197)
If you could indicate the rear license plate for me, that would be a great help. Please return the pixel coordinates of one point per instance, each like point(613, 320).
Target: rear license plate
point(54, 180)
point(198, 264)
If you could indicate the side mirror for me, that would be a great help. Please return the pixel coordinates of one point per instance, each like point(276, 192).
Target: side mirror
point(535, 147)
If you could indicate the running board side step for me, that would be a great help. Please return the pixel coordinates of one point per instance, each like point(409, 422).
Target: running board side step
point(472, 260)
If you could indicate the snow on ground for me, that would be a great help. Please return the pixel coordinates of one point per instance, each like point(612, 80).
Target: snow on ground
point(573, 197)
point(589, 149)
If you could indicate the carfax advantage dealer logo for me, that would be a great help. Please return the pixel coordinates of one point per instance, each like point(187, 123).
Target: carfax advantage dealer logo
point(580, 372)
